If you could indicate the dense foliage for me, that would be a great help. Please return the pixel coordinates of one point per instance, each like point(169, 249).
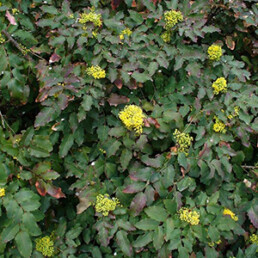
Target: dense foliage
point(128, 128)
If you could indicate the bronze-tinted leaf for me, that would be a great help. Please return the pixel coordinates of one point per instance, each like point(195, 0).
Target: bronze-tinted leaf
point(151, 121)
point(40, 186)
point(118, 83)
point(116, 99)
point(230, 42)
point(55, 191)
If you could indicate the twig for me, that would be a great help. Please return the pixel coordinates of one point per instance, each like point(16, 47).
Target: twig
point(5, 122)
point(16, 44)
point(250, 167)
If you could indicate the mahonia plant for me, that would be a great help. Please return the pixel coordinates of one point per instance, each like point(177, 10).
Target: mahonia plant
point(128, 128)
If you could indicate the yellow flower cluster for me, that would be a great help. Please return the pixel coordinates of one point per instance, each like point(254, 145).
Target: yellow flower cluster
point(236, 112)
point(127, 32)
point(24, 50)
point(219, 126)
point(132, 117)
point(192, 217)
point(214, 52)
point(166, 36)
point(45, 245)
point(2, 39)
point(172, 18)
point(96, 72)
point(104, 204)
point(220, 85)
point(230, 213)
point(183, 140)
point(91, 17)
point(254, 239)
point(15, 11)
point(2, 192)
point(102, 151)
point(211, 244)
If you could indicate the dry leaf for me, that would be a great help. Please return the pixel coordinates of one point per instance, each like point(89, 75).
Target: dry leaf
point(230, 42)
point(118, 83)
point(116, 99)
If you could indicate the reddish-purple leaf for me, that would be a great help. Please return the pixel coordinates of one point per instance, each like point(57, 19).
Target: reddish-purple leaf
point(54, 58)
point(62, 101)
point(252, 214)
point(115, 4)
point(134, 188)
point(205, 150)
point(138, 203)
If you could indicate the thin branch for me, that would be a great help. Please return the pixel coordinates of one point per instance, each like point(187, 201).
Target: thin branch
point(16, 44)
point(250, 167)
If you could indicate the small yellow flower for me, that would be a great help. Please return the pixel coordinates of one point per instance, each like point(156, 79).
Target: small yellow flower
point(15, 11)
point(2, 192)
point(94, 34)
point(235, 113)
point(166, 36)
point(24, 50)
point(214, 52)
point(45, 246)
point(254, 239)
point(211, 244)
point(104, 204)
point(2, 39)
point(102, 151)
point(220, 85)
point(127, 32)
point(71, 16)
point(172, 18)
point(219, 242)
point(230, 213)
point(96, 72)
point(192, 217)
point(183, 141)
point(132, 117)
